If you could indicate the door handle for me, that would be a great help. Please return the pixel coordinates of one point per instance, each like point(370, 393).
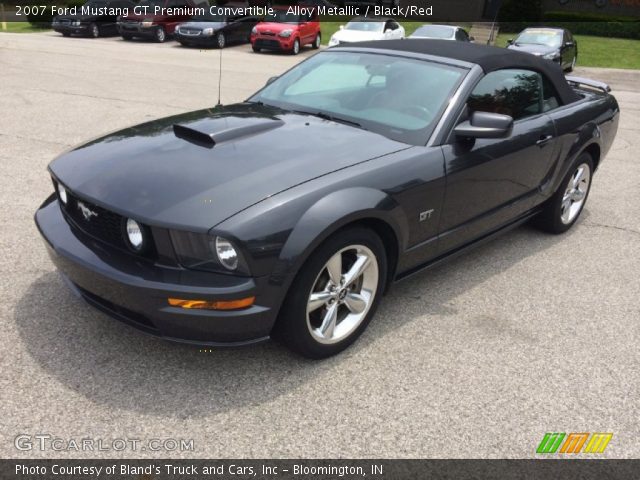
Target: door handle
point(544, 139)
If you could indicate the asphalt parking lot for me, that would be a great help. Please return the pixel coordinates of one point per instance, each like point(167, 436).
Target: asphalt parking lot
point(477, 358)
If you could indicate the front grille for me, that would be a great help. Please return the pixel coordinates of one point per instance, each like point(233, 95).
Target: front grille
point(189, 31)
point(129, 23)
point(268, 34)
point(100, 223)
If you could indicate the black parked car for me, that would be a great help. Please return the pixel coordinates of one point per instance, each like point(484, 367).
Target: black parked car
point(554, 44)
point(215, 29)
point(289, 214)
point(95, 18)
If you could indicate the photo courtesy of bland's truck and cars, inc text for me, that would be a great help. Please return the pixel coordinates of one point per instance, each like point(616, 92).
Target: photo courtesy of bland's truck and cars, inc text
point(320, 239)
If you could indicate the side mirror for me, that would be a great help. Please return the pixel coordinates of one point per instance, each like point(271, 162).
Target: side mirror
point(341, 27)
point(271, 80)
point(472, 39)
point(485, 125)
point(510, 41)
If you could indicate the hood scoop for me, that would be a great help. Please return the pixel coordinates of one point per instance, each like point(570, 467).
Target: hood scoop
point(198, 134)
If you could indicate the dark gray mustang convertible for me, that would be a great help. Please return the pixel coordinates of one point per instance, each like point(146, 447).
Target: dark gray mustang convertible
point(288, 215)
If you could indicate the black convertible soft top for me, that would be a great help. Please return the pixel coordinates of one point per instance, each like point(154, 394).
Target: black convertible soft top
point(488, 58)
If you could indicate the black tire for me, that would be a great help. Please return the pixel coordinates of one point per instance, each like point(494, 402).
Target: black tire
point(65, 34)
point(160, 35)
point(316, 42)
point(221, 40)
point(550, 219)
point(127, 37)
point(292, 328)
point(296, 47)
point(255, 49)
point(94, 30)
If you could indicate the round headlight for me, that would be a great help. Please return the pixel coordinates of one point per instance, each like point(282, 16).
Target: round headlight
point(134, 234)
point(62, 193)
point(227, 254)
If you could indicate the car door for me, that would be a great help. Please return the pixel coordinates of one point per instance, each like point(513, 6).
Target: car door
point(233, 28)
point(492, 181)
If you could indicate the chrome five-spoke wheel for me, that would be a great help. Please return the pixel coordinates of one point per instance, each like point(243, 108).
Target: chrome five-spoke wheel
point(575, 194)
point(335, 293)
point(342, 294)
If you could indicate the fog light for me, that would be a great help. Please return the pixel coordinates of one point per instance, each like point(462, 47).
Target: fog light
point(62, 193)
point(134, 234)
point(212, 305)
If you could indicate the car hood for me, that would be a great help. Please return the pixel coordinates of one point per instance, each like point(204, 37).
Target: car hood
point(357, 36)
point(178, 178)
point(275, 27)
point(534, 49)
point(203, 25)
point(75, 17)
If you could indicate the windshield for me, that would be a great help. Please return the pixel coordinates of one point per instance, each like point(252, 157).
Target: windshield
point(282, 16)
point(365, 26)
point(434, 31)
point(550, 38)
point(400, 98)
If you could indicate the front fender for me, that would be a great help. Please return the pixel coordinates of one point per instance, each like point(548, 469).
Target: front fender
point(330, 214)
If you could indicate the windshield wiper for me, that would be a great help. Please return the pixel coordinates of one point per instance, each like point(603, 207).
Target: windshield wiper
point(331, 118)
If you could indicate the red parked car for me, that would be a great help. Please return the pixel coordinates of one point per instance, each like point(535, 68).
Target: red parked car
point(144, 21)
point(286, 32)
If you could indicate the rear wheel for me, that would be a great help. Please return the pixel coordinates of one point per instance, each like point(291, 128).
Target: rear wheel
point(335, 294)
point(563, 209)
point(160, 35)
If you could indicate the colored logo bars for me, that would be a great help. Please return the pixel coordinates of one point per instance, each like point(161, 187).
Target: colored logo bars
point(574, 442)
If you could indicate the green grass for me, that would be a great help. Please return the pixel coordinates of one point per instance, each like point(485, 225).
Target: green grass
point(21, 27)
point(599, 51)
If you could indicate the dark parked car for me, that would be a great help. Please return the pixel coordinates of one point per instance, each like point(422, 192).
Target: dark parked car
point(94, 19)
point(146, 22)
point(554, 44)
point(288, 215)
point(442, 32)
point(216, 29)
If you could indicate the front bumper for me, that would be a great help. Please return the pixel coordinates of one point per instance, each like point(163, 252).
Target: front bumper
point(135, 291)
point(196, 40)
point(137, 30)
point(77, 30)
point(273, 43)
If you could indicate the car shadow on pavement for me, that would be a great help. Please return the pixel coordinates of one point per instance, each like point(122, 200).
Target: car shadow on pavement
point(110, 363)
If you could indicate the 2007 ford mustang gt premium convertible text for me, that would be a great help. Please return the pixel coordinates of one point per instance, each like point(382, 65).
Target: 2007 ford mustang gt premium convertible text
point(288, 215)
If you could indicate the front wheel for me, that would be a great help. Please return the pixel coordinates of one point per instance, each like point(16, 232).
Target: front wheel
point(221, 40)
point(563, 209)
point(335, 294)
point(94, 31)
point(317, 42)
point(255, 49)
point(160, 35)
point(296, 47)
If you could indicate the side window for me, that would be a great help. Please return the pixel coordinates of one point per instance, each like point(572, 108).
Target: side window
point(510, 92)
point(550, 99)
